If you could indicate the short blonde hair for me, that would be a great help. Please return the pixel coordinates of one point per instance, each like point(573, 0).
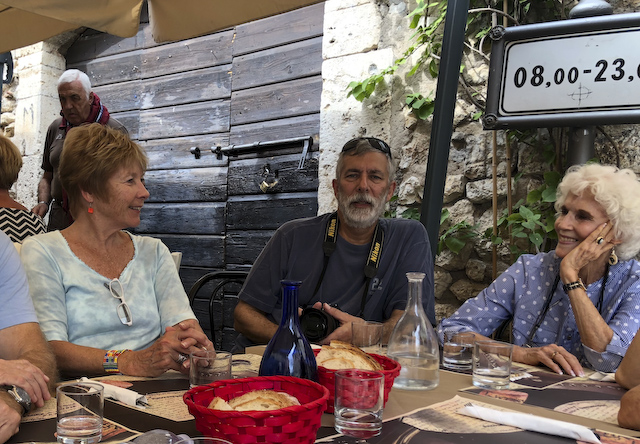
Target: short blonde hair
point(617, 191)
point(91, 154)
point(10, 163)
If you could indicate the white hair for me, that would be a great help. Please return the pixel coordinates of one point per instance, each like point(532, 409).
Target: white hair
point(71, 75)
point(617, 190)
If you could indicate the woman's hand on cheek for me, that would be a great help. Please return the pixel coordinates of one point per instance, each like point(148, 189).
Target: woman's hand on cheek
point(589, 250)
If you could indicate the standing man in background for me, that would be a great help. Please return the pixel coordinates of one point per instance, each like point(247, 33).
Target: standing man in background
point(79, 105)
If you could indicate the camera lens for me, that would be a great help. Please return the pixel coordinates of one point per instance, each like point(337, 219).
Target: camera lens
point(317, 324)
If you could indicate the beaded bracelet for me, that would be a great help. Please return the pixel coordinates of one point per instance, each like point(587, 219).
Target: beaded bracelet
point(110, 361)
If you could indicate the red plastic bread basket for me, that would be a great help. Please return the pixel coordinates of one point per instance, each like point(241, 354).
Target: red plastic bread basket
point(291, 425)
point(326, 377)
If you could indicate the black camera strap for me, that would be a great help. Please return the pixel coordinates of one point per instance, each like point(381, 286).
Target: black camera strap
point(373, 260)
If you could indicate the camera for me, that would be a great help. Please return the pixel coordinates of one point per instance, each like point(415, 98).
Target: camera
point(317, 324)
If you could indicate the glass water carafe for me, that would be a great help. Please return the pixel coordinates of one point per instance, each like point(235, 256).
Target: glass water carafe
point(414, 344)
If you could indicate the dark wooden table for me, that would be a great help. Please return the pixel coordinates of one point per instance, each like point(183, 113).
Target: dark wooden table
point(400, 402)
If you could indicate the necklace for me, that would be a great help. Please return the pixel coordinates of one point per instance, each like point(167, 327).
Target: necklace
point(547, 304)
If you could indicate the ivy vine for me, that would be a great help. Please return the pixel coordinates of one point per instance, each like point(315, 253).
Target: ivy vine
point(528, 225)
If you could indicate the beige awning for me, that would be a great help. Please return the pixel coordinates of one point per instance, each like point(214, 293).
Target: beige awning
point(24, 22)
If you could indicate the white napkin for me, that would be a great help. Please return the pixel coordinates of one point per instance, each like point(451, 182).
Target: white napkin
point(531, 422)
point(123, 395)
point(602, 376)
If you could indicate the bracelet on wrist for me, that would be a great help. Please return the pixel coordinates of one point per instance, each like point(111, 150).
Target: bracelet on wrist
point(110, 361)
point(43, 202)
point(573, 285)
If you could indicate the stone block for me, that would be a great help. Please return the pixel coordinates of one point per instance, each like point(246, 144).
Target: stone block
point(464, 289)
point(27, 185)
point(441, 280)
point(476, 270)
point(480, 191)
point(351, 32)
point(460, 211)
point(443, 311)
point(336, 5)
point(410, 190)
point(451, 261)
point(454, 187)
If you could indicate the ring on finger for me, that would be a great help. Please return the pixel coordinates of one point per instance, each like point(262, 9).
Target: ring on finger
point(181, 358)
point(599, 240)
point(553, 355)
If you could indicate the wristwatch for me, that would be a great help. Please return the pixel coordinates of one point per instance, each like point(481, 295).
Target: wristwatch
point(20, 395)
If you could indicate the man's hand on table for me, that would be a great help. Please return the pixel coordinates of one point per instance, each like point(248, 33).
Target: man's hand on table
point(342, 333)
point(553, 356)
point(27, 376)
point(9, 419)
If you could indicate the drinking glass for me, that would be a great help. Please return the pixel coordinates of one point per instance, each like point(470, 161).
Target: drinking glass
point(367, 335)
point(80, 408)
point(358, 403)
point(208, 366)
point(492, 364)
point(457, 349)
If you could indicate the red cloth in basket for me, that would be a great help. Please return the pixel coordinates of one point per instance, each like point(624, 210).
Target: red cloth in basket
point(326, 377)
point(291, 425)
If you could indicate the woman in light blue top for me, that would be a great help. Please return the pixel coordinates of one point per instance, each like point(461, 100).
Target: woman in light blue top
point(108, 301)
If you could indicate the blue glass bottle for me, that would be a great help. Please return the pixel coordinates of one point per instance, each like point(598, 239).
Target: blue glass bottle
point(288, 353)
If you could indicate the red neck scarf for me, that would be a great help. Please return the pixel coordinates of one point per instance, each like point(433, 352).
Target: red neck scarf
point(97, 113)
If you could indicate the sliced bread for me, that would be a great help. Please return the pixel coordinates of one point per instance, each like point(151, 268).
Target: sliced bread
point(256, 400)
point(342, 355)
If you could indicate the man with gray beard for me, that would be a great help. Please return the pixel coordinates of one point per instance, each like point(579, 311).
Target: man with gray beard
point(352, 263)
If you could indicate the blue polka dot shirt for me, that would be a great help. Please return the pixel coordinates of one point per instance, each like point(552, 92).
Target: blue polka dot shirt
point(521, 293)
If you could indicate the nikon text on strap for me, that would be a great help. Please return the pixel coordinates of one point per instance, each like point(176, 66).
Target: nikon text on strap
point(373, 260)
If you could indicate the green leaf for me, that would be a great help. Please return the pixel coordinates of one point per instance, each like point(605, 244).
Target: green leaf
point(454, 244)
point(536, 239)
point(515, 217)
point(418, 103)
point(426, 111)
point(549, 194)
point(444, 215)
point(433, 68)
point(534, 196)
point(525, 212)
point(552, 178)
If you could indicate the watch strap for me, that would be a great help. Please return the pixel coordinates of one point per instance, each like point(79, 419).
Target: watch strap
point(573, 285)
point(20, 396)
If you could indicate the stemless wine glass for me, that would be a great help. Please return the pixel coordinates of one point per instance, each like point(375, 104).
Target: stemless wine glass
point(359, 403)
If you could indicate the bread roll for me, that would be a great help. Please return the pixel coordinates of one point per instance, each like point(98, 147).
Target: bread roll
point(342, 355)
point(256, 400)
point(218, 403)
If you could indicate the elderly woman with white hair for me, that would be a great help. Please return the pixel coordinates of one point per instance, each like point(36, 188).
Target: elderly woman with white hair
point(579, 304)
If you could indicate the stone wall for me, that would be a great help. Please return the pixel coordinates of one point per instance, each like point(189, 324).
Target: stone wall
point(362, 37)
point(29, 105)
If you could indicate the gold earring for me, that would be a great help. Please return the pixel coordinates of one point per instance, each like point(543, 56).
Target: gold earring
point(613, 258)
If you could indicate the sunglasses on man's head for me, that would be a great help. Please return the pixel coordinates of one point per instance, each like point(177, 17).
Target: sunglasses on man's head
point(378, 144)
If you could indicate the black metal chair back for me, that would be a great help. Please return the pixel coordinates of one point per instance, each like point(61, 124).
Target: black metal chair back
point(220, 280)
